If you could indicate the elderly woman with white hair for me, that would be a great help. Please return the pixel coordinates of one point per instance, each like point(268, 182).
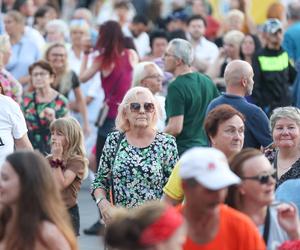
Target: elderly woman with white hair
point(285, 127)
point(57, 31)
point(137, 160)
point(149, 75)
point(230, 51)
point(11, 87)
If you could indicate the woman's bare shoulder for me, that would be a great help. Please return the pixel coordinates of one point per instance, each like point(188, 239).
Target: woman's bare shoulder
point(52, 238)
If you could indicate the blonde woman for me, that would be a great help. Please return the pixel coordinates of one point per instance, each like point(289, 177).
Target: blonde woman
point(137, 160)
point(11, 87)
point(68, 162)
point(66, 79)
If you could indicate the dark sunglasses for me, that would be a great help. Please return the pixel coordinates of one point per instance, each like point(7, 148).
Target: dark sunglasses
point(136, 107)
point(262, 178)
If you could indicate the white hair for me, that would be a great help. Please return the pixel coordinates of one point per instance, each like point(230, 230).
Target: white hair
point(61, 26)
point(140, 72)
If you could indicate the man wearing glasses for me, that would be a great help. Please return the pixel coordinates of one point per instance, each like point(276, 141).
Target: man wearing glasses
point(188, 97)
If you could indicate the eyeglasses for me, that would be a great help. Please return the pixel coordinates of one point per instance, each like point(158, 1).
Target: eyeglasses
point(41, 74)
point(168, 54)
point(155, 76)
point(262, 178)
point(136, 107)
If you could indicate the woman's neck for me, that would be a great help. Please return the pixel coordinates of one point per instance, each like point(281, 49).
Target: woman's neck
point(15, 38)
point(255, 211)
point(44, 92)
point(288, 153)
point(77, 50)
point(248, 59)
point(140, 137)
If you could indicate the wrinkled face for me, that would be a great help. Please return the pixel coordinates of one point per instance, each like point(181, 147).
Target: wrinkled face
point(176, 241)
point(9, 185)
point(41, 78)
point(57, 57)
point(286, 133)
point(170, 60)
point(196, 29)
point(140, 111)
point(53, 34)
point(251, 189)
point(159, 46)
point(248, 46)
point(230, 136)
point(153, 79)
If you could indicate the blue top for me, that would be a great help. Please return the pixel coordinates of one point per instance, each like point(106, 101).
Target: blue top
point(257, 131)
point(291, 41)
point(2, 29)
point(24, 53)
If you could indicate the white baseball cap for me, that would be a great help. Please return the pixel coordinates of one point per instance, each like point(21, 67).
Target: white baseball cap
point(208, 166)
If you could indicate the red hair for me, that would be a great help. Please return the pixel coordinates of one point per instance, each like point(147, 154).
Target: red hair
point(110, 43)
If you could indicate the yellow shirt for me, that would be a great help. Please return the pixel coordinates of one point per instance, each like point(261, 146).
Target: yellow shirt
point(173, 188)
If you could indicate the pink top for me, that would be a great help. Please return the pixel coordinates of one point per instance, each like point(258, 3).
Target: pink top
point(116, 84)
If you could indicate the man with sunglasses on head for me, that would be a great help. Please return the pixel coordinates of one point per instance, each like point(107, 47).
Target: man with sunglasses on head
point(188, 97)
point(206, 177)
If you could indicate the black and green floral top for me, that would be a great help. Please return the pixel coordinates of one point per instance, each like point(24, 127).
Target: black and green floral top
point(138, 174)
point(37, 124)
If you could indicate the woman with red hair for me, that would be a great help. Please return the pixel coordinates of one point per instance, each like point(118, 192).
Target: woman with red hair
point(115, 63)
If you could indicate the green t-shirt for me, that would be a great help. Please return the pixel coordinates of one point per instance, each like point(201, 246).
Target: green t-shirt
point(189, 95)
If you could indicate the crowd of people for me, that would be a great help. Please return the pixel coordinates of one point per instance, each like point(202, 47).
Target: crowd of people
point(187, 124)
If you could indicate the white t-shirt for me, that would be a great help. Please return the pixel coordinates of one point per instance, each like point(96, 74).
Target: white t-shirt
point(12, 125)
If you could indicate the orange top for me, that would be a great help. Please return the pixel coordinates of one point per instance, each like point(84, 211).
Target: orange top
point(236, 232)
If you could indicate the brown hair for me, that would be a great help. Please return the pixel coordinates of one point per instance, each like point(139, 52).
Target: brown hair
point(44, 65)
point(17, 16)
point(39, 200)
point(125, 229)
point(236, 164)
point(217, 116)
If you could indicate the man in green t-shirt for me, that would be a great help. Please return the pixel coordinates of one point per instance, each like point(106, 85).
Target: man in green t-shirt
point(188, 97)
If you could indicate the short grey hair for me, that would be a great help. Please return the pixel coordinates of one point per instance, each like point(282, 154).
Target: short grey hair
point(293, 10)
point(183, 50)
point(61, 26)
point(290, 112)
point(140, 72)
point(234, 37)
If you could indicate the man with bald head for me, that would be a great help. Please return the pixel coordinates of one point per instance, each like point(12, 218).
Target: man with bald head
point(239, 83)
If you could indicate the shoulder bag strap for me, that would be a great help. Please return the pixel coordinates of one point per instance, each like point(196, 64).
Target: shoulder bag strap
point(113, 163)
point(267, 226)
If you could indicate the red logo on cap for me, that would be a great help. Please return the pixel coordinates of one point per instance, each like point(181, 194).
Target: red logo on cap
point(211, 166)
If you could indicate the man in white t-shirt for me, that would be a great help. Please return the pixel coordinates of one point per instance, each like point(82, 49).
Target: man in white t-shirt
point(13, 130)
point(205, 51)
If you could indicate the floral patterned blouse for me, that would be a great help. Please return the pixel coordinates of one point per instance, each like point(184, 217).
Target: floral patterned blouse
point(11, 86)
point(138, 174)
point(37, 124)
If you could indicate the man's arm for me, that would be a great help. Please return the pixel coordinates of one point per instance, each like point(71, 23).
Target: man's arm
point(23, 143)
point(175, 125)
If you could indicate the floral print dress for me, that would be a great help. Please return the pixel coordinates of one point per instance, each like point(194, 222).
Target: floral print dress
point(37, 124)
point(137, 174)
point(11, 86)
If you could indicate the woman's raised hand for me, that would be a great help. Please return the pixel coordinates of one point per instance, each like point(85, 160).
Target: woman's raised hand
point(57, 150)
